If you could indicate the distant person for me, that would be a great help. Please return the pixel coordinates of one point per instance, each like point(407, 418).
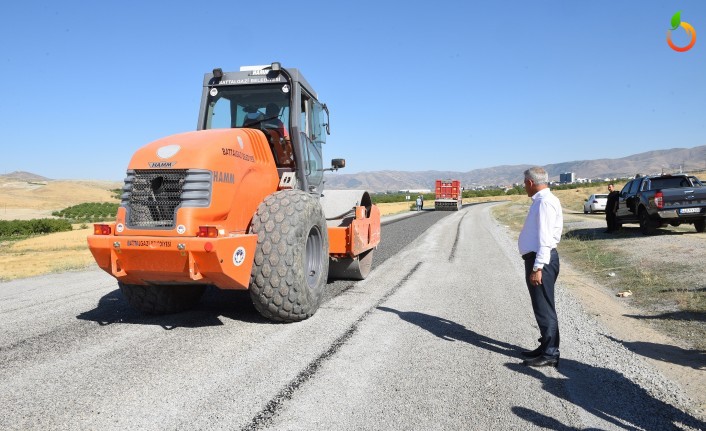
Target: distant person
point(537, 245)
point(419, 203)
point(422, 198)
point(611, 209)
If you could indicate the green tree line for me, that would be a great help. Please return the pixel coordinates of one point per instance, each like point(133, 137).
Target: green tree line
point(23, 228)
point(90, 211)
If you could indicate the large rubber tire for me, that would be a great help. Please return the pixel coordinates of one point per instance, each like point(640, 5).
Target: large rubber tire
point(291, 261)
point(700, 225)
point(647, 226)
point(162, 299)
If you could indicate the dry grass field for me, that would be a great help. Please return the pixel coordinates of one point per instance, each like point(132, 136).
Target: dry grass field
point(21, 200)
point(45, 254)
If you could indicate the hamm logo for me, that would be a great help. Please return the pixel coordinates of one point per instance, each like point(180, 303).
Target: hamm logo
point(161, 165)
point(223, 177)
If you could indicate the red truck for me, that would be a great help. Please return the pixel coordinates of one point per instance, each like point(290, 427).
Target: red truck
point(448, 195)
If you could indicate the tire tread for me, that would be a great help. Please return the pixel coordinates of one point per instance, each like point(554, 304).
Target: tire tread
point(278, 287)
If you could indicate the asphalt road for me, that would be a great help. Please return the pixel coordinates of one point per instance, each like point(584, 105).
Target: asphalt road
point(430, 340)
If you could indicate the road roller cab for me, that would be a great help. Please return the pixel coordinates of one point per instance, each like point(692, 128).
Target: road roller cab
point(239, 204)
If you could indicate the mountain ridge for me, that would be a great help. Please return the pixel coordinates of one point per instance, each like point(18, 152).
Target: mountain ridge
point(23, 176)
point(655, 161)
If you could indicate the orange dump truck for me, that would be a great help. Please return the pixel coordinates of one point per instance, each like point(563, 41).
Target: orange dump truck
point(239, 204)
point(448, 195)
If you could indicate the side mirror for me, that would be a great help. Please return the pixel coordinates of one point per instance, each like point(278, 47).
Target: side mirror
point(338, 163)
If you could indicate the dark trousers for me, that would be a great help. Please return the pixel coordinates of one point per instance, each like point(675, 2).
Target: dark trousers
point(611, 221)
point(543, 303)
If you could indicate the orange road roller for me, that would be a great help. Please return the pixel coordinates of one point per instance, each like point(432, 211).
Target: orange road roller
point(239, 204)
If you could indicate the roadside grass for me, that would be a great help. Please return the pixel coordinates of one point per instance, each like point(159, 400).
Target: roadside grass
point(29, 263)
point(664, 292)
point(44, 254)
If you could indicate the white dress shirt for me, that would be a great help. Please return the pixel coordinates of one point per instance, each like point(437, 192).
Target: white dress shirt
point(543, 225)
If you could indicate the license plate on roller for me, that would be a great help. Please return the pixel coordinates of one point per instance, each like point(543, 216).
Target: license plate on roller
point(689, 210)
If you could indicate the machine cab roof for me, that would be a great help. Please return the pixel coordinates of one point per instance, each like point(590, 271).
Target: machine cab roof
point(277, 101)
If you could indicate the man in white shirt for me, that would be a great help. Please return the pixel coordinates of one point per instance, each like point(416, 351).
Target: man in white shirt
point(537, 245)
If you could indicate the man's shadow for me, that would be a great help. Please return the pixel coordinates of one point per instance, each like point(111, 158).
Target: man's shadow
point(602, 392)
point(693, 358)
point(215, 304)
point(599, 234)
point(611, 396)
point(544, 421)
point(451, 331)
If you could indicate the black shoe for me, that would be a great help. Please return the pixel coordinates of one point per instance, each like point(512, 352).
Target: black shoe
point(532, 353)
point(542, 361)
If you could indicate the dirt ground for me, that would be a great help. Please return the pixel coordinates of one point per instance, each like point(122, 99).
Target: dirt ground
point(674, 359)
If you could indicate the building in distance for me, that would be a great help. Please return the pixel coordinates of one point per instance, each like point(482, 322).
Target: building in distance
point(567, 177)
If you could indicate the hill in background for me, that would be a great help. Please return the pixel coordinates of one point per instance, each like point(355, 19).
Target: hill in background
point(23, 176)
point(25, 195)
point(688, 159)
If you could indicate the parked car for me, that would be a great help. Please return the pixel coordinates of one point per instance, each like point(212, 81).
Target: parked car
point(658, 200)
point(595, 203)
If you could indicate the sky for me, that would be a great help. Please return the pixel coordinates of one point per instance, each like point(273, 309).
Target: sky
point(411, 86)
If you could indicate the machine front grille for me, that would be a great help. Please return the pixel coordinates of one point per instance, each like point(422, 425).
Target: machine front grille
point(152, 196)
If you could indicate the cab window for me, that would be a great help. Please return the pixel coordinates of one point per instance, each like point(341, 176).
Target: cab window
point(311, 141)
point(319, 123)
point(247, 106)
point(220, 115)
